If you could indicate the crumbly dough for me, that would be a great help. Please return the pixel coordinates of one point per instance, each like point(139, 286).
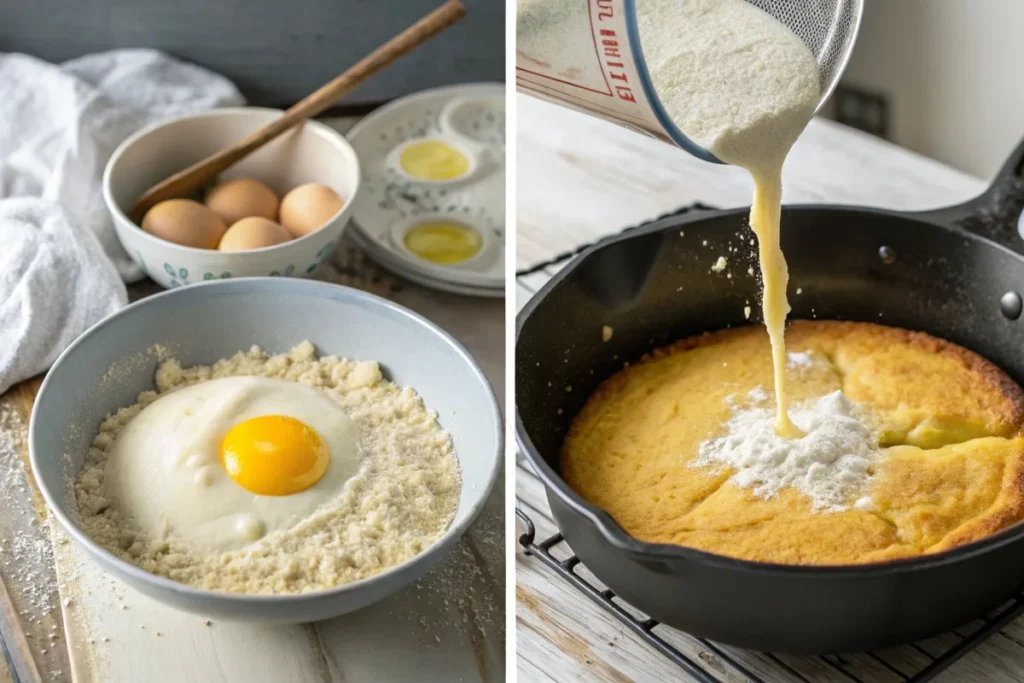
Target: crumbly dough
point(401, 501)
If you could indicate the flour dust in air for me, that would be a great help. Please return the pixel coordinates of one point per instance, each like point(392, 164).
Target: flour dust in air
point(742, 85)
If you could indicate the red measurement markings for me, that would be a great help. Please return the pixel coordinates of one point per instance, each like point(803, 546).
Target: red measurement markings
point(593, 36)
point(597, 56)
point(533, 60)
point(610, 50)
point(612, 55)
point(583, 103)
point(615, 67)
point(563, 82)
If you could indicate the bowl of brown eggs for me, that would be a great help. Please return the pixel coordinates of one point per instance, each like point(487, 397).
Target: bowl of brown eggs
point(278, 212)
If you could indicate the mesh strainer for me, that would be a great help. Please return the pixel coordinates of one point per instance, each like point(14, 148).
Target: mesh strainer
point(827, 27)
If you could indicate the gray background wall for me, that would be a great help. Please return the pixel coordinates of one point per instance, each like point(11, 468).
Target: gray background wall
point(275, 51)
point(952, 72)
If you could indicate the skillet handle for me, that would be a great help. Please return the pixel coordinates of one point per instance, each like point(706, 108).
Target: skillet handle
point(996, 213)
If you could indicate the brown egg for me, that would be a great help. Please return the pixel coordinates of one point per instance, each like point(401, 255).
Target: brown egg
point(308, 207)
point(240, 198)
point(253, 233)
point(184, 222)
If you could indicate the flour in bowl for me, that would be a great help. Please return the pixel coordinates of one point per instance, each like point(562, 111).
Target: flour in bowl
point(830, 464)
point(401, 501)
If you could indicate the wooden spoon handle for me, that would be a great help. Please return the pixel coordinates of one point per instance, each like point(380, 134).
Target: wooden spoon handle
point(195, 176)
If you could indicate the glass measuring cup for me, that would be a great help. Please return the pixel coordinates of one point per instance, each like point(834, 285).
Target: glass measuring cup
point(587, 55)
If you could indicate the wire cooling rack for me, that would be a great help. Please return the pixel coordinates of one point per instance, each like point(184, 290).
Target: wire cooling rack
point(648, 629)
point(930, 658)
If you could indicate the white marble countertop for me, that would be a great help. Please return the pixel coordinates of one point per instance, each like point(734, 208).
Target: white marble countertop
point(580, 178)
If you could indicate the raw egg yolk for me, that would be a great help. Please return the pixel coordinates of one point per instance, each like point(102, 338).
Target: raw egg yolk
point(433, 160)
point(274, 455)
point(443, 241)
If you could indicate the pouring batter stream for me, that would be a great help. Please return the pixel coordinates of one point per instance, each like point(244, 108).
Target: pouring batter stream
point(741, 84)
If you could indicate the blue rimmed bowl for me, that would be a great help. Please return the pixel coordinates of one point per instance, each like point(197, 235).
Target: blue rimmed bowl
point(312, 152)
point(109, 365)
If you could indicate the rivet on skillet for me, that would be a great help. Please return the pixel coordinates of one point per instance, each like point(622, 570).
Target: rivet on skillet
point(1011, 305)
point(887, 255)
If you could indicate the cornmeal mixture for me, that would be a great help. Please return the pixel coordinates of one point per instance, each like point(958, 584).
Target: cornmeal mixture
point(913, 445)
point(401, 500)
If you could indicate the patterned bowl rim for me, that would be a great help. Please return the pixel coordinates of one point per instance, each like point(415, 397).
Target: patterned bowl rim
point(218, 273)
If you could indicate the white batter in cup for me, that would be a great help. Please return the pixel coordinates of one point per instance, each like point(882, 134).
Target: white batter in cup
point(586, 55)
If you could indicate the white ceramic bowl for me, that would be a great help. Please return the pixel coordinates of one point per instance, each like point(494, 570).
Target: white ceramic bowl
point(310, 153)
point(206, 322)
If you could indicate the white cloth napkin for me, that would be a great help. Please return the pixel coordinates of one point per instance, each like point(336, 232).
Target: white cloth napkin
point(61, 266)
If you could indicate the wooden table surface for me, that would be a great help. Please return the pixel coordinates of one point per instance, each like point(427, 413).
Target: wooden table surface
point(579, 179)
point(72, 622)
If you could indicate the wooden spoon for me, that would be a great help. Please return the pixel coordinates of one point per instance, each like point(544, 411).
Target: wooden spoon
point(185, 182)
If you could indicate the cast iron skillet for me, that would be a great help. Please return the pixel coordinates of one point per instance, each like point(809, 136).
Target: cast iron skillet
point(956, 273)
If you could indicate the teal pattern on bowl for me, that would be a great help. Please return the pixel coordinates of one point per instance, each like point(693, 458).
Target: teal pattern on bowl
point(142, 265)
point(180, 276)
point(325, 251)
point(176, 275)
point(322, 255)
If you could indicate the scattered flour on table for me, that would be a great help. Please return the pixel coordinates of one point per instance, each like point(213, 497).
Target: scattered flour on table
point(465, 593)
point(830, 464)
point(26, 556)
point(401, 501)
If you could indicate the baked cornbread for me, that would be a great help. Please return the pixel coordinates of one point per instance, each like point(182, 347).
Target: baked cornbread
point(949, 467)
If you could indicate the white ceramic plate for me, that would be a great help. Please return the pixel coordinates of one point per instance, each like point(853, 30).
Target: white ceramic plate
point(470, 117)
point(395, 264)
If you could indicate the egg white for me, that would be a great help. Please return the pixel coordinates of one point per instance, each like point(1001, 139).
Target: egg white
point(164, 470)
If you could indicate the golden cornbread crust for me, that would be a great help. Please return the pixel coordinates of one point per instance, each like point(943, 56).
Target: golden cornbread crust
point(950, 425)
